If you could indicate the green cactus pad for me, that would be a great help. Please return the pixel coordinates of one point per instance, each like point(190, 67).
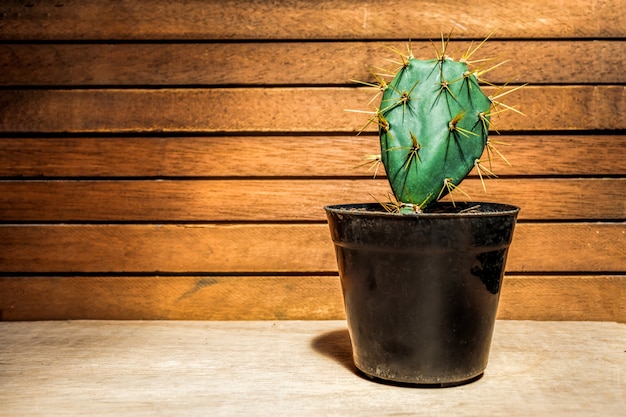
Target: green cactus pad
point(433, 123)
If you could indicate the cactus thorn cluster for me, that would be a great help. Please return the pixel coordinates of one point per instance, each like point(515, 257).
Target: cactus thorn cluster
point(433, 122)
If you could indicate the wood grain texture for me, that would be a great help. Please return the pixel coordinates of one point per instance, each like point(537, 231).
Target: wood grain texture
point(279, 110)
point(172, 298)
point(287, 368)
point(301, 19)
point(284, 200)
point(270, 248)
point(170, 159)
point(549, 297)
point(299, 63)
point(284, 156)
point(564, 298)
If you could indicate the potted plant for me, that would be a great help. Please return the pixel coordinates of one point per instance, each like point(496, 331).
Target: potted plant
point(421, 278)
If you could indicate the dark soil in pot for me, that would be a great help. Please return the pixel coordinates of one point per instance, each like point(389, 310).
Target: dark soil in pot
point(421, 291)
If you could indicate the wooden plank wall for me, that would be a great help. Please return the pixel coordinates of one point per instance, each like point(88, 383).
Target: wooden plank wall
point(170, 159)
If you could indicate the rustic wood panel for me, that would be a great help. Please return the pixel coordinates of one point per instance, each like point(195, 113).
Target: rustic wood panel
point(217, 130)
point(172, 298)
point(300, 63)
point(564, 298)
point(270, 248)
point(302, 19)
point(592, 297)
point(279, 110)
point(283, 156)
point(284, 200)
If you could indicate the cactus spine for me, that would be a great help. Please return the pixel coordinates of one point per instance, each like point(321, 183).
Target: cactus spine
point(433, 123)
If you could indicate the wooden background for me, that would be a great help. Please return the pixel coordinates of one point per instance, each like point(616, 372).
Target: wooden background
point(170, 159)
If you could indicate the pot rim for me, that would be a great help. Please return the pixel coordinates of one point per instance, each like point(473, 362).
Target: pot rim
point(462, 210)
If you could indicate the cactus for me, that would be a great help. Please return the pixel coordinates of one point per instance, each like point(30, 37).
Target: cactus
point(433, 123)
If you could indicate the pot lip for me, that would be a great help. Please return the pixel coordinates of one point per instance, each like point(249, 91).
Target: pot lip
point(462, 210)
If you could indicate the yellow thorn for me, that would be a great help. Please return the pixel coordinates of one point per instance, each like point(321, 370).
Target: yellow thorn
point(409, 50)
point(480, 73)
point(361, 111)
point(444, 46)
point(479, 168)
point(506, 107)
point(405, 57)
point(491, 148)
point(504, 93)
point(373, 161)
point(450, 187)
point(468, 54)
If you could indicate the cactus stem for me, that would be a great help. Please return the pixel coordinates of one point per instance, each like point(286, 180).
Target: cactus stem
point(413, 207)
point(440, 101)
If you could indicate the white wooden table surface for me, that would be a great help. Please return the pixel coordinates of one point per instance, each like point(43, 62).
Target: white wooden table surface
point(290, 368)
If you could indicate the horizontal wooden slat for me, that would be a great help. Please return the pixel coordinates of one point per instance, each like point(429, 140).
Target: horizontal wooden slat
point(172, 298)
point(596, 297)
point(564, 298)
point(301, 19)
point(279, 200)
point(278, 110)
point(285, 248)
point(283, 63)
point(283, 156)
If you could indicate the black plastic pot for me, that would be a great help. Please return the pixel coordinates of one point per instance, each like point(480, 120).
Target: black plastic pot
point(421, 291)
